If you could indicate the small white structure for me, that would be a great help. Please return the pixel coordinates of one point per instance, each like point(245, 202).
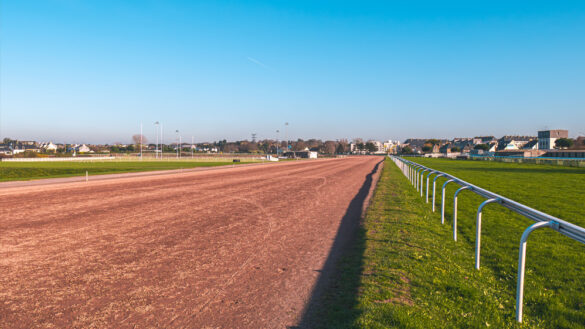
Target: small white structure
point(83, 149)
point(271, 158)
point(49, 147)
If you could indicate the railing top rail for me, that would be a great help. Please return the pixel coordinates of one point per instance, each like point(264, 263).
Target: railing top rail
point(568, 229)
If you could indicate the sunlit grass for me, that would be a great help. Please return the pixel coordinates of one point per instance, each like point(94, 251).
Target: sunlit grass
point(10, 171)
point(405, 270)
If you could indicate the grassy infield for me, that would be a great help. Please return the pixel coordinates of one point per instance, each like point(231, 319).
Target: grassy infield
point(10, 171)
point(405, 270)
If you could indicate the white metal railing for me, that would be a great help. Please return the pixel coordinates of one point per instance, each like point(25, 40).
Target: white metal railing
point(415, 173)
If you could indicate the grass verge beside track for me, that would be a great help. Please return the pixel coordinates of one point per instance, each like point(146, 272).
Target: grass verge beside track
point(405, 270)
point(12, 171)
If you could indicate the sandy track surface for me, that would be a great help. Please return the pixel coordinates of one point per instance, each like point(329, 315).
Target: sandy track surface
point(235, 248)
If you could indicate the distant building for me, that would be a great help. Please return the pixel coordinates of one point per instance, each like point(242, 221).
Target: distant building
point(83, 149)
point(463, 143)
point(513, 142)
point(415, 142)
point(579, 143)
point(446, 149)
point(49, 147)
point(391, 146)
point(484, 140)
point(547, 138)
point(520, 153)
point(4, 150)
point(300, 154)
point(493, 147)
point(511, 145)
point(379, 146)
point(532, 145)
point(579, 154)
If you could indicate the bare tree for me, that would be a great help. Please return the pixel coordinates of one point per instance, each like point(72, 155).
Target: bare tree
point(299, 145)
point(342, 146)
point(138, 139)
point(329, 147)
point(314, 143)
point(230, 148)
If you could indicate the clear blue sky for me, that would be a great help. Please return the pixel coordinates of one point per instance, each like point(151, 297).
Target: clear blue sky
point(92, 70)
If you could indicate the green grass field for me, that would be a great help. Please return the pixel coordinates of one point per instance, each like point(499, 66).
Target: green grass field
point(405, 270)
point(11, 171)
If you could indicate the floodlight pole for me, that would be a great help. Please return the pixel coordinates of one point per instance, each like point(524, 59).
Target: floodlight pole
point(156, 141)
point(141, 141)
point(286, 134)
point(277, 138)
point(177, 131)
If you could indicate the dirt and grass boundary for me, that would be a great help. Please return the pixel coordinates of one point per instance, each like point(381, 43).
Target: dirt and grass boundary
point(404, 271)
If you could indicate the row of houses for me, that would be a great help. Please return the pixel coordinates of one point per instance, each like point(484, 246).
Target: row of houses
point(544, 144)
point(14, 147)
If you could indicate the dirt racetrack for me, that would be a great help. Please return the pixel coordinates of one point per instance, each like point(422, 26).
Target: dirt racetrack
point(230, 248)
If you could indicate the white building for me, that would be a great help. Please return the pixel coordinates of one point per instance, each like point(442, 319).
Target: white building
point(83, 149)
point(379, 146)
point(49, 147)
point(391, 146)
point(547, 138)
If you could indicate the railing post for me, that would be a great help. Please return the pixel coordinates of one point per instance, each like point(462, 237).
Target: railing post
point(413, 175)
point(422, 181)
point(434, 186)
point(415, 183)
point(522, 263)
point(416, 178)
point(428, 176)
point(443, 201)
point(478, 229)
point(455, 210)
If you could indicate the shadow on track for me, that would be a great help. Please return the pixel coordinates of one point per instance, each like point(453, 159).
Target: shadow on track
point(335, 293)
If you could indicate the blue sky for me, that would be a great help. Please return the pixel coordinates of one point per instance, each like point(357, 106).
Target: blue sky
point(91, 71)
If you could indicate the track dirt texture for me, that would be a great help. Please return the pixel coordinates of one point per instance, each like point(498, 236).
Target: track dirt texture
point(232, 248)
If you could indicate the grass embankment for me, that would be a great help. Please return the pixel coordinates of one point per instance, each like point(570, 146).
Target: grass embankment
point(11, 171)
point(405, 270)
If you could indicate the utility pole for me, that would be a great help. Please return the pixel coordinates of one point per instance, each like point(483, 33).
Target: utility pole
point(162, 151)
